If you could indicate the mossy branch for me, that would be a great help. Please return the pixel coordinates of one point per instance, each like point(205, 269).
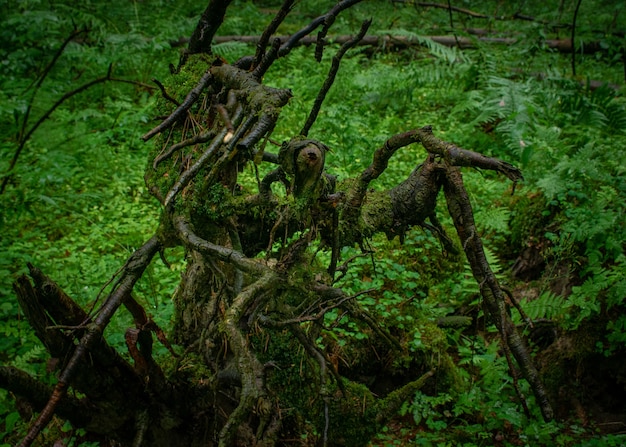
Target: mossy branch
point(457, 156)
point(461, 211)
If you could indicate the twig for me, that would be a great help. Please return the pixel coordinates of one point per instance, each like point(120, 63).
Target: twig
point(328, 82)
point(574, 37)
point(43, 76)
point(270, 30)
point(189, 174)
point(164, 92)
point(191, 98)
point(196, 139)
point(47, 114)
point(468, 12)
point(293, 40)
point(267, 60)
point(456, 38)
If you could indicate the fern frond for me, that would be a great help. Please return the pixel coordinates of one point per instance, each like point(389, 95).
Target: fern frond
point(230, 48)
point(447, 54)
point(547, 306)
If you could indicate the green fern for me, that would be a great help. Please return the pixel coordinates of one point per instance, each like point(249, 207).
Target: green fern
point(231, 50)
point(547, 306)
point(447, 54)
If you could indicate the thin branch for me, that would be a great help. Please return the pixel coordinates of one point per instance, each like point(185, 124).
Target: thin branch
point(479, 15)
point(267, 60)
point(164, 92)
point(295, 38)
point(574, 37)
point(456, 38)
point(457, 156)
point(49, 112)
point(191, 98)
point(270, 30)
point(135, 267)
point(328, 82)
point(189, 174)
point(45, 116)
point(45, 73)
point(196, 139)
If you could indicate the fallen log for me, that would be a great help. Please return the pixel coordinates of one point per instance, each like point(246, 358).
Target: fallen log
point(387, 41)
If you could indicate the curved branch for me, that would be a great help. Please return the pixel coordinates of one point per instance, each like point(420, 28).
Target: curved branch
point(45, 116)
point(43, 76)
point(354, 201)
point(295, 38)
point(271, 29)
point(457, 156)
point(248, 366)
point(196, 139)
point(243, 263)
point(493, 296)
point(330, 79)
point(164, 92)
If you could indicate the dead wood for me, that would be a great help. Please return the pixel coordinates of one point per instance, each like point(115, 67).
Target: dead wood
point(252, 308)
point(390, 41)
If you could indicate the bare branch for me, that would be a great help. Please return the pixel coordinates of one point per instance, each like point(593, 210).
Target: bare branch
point(24, 139)
point(228, 255)
point(378, 165)
point(134, 269)
point(270, 30)
point(461, 211)
point(43, 76)
point(164, 92)
point(330, 79)
point(209, 23)
point(267, 60)
point(456, 156)
point(293, 40)
point(191, 98)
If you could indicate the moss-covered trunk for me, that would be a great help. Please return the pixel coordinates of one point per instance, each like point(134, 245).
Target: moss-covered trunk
point(255, 362)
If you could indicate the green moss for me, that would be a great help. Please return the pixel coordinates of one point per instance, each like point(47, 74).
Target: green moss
point(352, 417)
point(530, 216)
point(376, 214)
point(161, 179)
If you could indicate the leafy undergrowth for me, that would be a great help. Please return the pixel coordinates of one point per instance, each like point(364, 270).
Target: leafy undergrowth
point(76, 205)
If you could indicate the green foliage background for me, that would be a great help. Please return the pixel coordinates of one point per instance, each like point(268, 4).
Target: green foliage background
point(76, 205)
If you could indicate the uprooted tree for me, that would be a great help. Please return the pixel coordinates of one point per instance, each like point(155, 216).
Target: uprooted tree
point(252, 365)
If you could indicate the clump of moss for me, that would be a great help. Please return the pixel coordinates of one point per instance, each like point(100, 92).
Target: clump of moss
point(177, 86)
